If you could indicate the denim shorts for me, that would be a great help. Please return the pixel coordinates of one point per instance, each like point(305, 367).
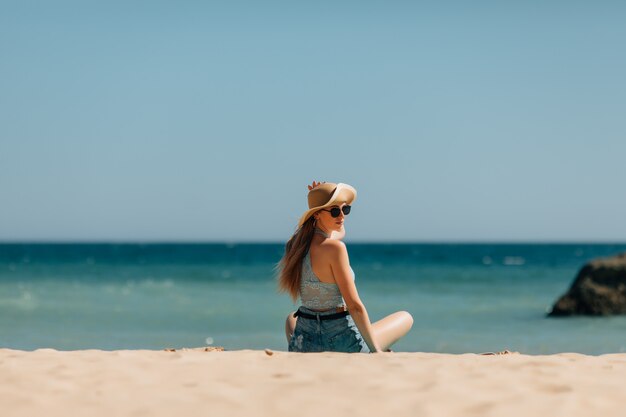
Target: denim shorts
point(334, 335)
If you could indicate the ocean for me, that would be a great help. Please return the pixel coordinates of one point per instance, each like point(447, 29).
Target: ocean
point(463, 297)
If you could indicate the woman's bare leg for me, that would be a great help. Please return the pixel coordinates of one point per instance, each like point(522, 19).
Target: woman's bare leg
point(290, 325)
point(392, 328)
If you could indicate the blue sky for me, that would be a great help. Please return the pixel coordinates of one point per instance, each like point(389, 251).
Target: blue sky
point(201, 121)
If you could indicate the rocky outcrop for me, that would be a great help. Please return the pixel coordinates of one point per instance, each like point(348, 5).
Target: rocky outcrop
point(599, 289)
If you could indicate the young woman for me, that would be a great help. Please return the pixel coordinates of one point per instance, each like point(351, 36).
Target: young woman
point(317, 269)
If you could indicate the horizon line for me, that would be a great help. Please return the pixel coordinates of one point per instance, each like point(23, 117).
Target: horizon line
point(274, 242)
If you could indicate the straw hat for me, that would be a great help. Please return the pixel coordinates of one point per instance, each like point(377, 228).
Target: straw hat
point(325, 195)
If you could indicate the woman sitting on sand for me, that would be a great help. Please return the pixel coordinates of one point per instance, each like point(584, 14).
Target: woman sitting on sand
point(316, 268)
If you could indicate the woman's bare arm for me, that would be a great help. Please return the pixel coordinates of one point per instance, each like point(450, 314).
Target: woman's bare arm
point(340, 264)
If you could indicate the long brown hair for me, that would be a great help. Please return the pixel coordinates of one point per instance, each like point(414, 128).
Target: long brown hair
point(290, 266)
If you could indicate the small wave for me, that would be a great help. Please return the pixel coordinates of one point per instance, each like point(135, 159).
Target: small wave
point(514, 260)
point(149, 284)
point(26, 302)
point(152, 283)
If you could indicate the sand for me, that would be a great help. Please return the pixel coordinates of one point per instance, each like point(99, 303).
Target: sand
point(192, 382)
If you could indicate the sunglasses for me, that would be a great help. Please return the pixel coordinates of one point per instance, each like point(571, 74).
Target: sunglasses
point(335, 211)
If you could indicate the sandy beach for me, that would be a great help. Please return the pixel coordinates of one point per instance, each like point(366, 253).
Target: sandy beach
point(189, 381)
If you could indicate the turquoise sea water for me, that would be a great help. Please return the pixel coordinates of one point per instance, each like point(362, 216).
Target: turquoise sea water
point(463, 297)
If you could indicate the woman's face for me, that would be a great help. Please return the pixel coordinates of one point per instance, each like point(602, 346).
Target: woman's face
point(326, 221)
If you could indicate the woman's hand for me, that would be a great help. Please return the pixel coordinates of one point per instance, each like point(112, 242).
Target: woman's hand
point(315, 184)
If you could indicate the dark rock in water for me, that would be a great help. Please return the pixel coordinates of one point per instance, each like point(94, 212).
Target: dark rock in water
point(599, 289)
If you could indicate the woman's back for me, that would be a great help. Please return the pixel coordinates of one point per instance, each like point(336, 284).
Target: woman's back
point(316, 294)
point(320, 327)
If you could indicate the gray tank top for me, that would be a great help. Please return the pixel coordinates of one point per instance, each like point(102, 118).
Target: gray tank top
point(315, 294)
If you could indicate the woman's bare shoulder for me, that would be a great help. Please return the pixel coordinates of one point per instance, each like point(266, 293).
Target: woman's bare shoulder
point(334, 248)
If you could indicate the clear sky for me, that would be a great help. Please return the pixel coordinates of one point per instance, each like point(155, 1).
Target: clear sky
point(203, 121)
